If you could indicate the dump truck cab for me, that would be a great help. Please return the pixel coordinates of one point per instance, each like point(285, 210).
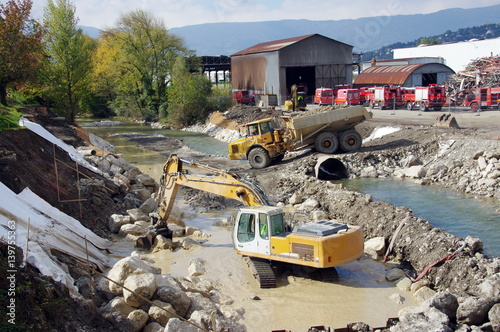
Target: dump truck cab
point(263, 142)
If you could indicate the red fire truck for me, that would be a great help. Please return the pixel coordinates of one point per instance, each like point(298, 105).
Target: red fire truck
point(425, 97)
point(323, 96)
point(242, 97)
point(347, 97)
point(326, 96)
point(365, 95)
point(386, 97)
point(483, 98)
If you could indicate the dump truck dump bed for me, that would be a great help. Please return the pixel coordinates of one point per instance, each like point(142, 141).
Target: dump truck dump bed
point(335, 120)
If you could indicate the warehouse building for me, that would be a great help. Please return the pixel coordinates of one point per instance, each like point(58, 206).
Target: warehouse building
point(310, 62)
point(419, 74)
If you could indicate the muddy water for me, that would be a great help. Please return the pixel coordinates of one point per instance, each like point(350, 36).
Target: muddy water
point(361, 294)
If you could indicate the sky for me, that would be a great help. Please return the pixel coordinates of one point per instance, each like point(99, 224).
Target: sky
point(177, 13)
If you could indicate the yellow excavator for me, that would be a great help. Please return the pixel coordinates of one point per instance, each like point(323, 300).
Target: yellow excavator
point(260, 231)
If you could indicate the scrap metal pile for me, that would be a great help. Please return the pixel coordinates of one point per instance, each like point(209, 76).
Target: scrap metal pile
point(480, 73)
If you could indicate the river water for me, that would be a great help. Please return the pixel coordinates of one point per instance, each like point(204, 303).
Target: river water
point(459, 214)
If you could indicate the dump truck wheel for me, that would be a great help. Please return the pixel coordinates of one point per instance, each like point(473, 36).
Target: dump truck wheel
point(259, 158)
point(326, 142)
point(350, 140)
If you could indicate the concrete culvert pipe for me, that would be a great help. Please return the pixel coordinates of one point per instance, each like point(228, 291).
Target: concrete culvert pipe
point(328, 168)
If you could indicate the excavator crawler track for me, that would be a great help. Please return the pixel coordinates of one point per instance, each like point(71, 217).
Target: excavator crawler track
point(263, 272)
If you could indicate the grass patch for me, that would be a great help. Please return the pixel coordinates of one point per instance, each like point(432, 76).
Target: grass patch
point(9, 118)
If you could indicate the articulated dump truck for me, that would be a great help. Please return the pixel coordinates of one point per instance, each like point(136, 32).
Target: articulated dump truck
point(261, 233)
point(268, 139)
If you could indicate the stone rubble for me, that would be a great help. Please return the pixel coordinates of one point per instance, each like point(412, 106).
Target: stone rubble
point(175, 300)
point(464, 164)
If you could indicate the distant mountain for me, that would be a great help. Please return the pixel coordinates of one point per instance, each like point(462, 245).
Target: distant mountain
point(90, 31)
point(365, 34)
point(485, 31)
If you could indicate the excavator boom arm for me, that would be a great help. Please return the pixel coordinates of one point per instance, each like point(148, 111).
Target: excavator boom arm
point(223, 183)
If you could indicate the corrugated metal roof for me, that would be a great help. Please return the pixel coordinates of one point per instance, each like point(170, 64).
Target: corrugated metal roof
point(390, 75)
point(272, 45)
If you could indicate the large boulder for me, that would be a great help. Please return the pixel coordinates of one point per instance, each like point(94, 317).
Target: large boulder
point(375, 247)
point(137, 319)
point(416, 172)
point(126, 267)
point(140, 192)
point(474, 310)
point(138, 214)
point(494, 317)
point(196, 267)
point(161, 312)
point(137, 287)
point(445, 302)
point(153, 327)
point(161, 243)
point(176, 325)
point(394, 274)
point(200, 302)
point(116, 221)
point(149, 206)
point(117, 306)
point(176, 297)
point(432, 320)
point(145, 180)
point(133, 229)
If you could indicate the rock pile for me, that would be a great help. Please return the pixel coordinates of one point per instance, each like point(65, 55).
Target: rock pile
point(464, 164)
point(144, 299)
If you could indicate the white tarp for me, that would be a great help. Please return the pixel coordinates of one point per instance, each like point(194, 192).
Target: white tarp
point(72, 152)
point(380, 132)
point(50, 229)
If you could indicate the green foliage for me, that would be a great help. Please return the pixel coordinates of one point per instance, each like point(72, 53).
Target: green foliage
point(221, 97)
point(20, 45)
point(69, 57)
point(429, 41)
point(188, 96)
point(134, 64)
point(9, 118)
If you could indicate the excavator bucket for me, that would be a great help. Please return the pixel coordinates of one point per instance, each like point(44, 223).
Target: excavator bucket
point(446, 121)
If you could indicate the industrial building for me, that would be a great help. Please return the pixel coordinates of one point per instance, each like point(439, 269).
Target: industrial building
point(418, 74)
point(310, 62)
point(456, 55)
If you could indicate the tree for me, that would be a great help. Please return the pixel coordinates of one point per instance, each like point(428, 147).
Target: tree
point(143, 65)
point(20, 45)
point(188, 96)
point(69, 54)
point(429, 41)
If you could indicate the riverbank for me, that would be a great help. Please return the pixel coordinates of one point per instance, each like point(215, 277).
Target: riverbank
point(463, 289)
